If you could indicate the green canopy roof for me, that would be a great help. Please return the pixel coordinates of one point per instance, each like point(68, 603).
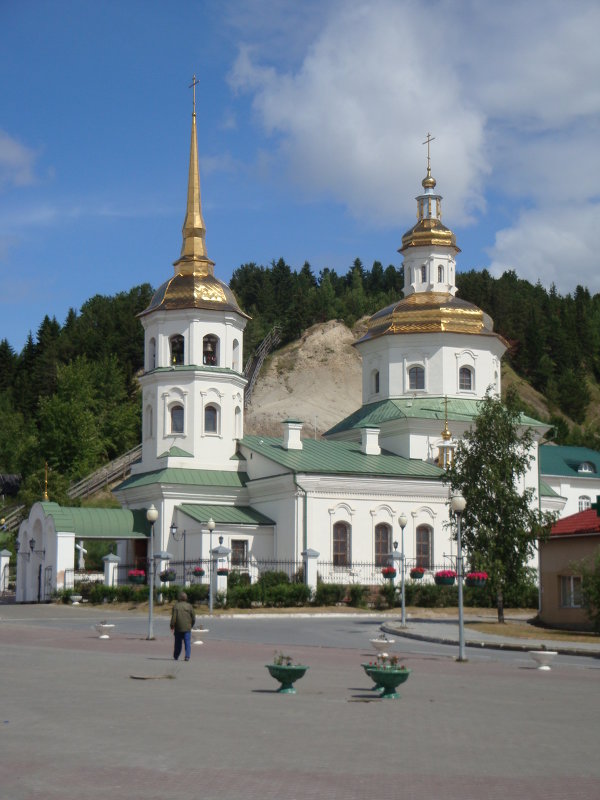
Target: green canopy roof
point(99, 523)
point(225, 515)
point(566, 461)
point(186, 477)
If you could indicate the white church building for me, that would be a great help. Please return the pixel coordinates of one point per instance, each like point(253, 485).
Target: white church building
point(427, 361)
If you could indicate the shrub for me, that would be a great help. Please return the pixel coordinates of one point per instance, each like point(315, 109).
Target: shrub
point(272, 578)
point(358, 595)
point(328, 594)
point(290, 594)
point(243, 595)
point(387, 593)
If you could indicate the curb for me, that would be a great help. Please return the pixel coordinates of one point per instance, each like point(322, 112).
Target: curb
point(522, 648)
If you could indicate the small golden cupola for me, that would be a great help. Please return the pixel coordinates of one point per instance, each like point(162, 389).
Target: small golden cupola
point(194, 284)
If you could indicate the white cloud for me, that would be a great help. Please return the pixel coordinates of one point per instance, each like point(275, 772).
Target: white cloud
point(509, 90)
point(554, 245)
point(16, 162)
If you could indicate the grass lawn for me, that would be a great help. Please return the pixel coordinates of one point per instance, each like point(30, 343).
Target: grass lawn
point(524, 629)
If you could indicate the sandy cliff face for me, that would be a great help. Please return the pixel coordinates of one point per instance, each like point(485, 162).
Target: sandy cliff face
point(316, 379)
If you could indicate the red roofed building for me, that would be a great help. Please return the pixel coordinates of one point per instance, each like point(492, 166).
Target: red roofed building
point(572, 539)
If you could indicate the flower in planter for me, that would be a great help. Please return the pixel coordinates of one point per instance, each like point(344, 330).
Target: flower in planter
point(222, 571)
point(199, 571)
point(136, 573)
point(389, 572)
point(445, 573)
point(168, 575)
point(477, 576)
point(417, 572)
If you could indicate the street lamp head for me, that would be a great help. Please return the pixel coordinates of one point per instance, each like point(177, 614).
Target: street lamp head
point(211, 524)
point(395, 545)
point(173, 529)
point(457, 503)
point(152, 514)
point(32, 545)
point(403, 519)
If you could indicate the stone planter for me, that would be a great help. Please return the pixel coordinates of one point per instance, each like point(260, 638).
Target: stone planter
point(543, 658)
point(287, 675)
point(389, 679)
point(382, 645)
point(104, 629)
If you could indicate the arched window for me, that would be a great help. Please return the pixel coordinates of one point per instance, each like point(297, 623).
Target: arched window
point(376, 381)
point(585, 502)
point(586, 466)
point(238, 423)
point(465, 379)
point(210, 355)
point(177, 419)
point(383, 544)
point(440, 273)
point(423, 274)
point(211, 419)
point(152, 353)
point(341, 544)
point(177, 347)
point(424, 546)
point(416, 378)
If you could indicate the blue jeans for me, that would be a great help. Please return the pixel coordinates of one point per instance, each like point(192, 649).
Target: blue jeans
point(182, 638)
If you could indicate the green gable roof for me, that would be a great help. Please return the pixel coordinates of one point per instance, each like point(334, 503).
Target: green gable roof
point(225, 515)
point(325, 457)
point(377, 414)
point(99, 523)
point(176, 451)
point(186, 477)
point(565, 461)
point(547, 491)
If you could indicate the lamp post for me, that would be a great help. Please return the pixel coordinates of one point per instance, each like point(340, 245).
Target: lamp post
point(211, 526)
point(151, 516)
point(457, 504)
point(177, 538)
point(402, 519)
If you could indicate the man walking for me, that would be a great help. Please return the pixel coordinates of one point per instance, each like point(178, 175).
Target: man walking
point(183, 619)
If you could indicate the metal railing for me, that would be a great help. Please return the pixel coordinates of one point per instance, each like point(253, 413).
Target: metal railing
point(103, 477)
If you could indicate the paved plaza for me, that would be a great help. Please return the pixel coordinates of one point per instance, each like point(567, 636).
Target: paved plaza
point(89, 718)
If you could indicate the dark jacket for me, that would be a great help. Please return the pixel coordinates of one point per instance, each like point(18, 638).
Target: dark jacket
point(183, 617)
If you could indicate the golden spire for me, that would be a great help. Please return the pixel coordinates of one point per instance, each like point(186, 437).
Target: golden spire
point(429, 181)
point(46, 480)
point(446, 435)
point(193, 258)
point(445, 450)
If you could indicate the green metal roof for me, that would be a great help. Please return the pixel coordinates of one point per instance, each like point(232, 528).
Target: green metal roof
point(325, 457)
point(376, 414)
point(186, 477)
point(565, 461)
point(546, 490)
point(225, 515)
point(176, 451)
point(99, 523)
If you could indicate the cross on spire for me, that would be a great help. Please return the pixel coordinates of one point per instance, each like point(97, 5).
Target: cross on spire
point(428, 141)
point(192, 86)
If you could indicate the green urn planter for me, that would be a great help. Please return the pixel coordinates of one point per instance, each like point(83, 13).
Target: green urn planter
point(388, 679)
point(287, 675)
point(368, 668)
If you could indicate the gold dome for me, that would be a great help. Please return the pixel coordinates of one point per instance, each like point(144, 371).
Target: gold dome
point(429, 312)
point(194, 290)
point(429, 232)
point(429, 181)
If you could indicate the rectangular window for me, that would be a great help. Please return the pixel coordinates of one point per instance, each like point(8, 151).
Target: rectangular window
point(570, 591)
point(382, 545)
point(239, 552)
point(424, 546)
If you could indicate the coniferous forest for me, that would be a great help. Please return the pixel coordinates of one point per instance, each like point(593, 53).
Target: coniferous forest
point(71, 399)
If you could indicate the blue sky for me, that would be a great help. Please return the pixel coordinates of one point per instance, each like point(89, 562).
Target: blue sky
point(311, 118)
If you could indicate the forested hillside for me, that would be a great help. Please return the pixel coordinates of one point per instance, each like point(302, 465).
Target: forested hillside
point(71, 397)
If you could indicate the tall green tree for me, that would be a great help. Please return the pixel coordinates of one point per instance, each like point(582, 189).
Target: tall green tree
point(501, 521)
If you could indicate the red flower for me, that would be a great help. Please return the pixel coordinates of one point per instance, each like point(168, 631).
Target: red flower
point(445, 573)
point(418, 571)
point(136, 573)
point(477, 576)
point(388, 571)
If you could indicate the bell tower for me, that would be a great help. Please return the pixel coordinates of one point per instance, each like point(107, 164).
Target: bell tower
point(193, 382)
